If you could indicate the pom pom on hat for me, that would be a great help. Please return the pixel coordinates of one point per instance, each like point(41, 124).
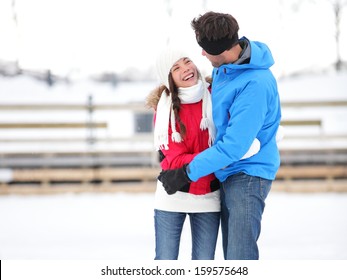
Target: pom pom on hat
point(165, 61)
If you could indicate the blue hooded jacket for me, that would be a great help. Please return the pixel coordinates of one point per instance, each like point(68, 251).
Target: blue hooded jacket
point(245, 105)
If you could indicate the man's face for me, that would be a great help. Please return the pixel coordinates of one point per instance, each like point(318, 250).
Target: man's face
point(216, 60)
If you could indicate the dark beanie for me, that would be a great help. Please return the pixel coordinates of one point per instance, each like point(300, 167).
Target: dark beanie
point(216, 47)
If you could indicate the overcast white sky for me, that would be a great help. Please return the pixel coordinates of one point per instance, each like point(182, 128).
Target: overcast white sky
point(97, 35)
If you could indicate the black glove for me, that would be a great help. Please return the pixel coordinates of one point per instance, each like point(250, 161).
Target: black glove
point(161, 156)
point(174, 180)
point(215, 185)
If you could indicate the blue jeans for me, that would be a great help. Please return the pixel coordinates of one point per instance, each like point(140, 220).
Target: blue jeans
point(168, 229)
point(243, 201)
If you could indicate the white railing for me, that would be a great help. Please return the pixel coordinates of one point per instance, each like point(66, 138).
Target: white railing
point(88, 144)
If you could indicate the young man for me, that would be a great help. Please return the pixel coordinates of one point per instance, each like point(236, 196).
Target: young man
point(246, 106)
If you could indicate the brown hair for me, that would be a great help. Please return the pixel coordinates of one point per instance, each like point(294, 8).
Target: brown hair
point(215, 26)
point(176, 105)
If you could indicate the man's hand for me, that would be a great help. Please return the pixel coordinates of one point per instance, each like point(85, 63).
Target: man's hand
point(174, 180)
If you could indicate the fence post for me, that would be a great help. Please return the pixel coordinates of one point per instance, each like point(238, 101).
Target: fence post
point(90, 125)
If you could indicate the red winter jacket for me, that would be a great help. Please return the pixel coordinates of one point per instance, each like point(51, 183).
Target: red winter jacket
point(194, 142)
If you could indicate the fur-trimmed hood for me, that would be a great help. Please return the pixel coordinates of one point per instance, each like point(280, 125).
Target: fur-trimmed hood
point(153, 97)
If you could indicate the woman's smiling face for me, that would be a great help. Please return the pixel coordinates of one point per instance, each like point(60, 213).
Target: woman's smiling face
point(184, 73)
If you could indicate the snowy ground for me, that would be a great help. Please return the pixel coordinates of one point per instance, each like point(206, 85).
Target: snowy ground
point(120, 226)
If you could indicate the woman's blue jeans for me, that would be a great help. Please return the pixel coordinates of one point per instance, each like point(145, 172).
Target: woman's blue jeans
point(243, 202)
point(168, 229)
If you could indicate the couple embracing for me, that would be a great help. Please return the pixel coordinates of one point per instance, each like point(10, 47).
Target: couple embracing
point(217, 142)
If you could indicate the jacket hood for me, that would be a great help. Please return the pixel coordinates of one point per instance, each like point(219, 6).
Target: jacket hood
point(153, 97)
point(260, 56)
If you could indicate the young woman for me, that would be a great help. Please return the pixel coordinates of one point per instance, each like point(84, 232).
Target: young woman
point(183, 128)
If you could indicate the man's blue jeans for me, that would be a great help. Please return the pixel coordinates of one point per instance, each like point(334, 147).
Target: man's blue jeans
point(243, 201)
point(168, 229)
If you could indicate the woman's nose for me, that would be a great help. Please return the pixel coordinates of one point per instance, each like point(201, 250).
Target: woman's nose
point(185, 68)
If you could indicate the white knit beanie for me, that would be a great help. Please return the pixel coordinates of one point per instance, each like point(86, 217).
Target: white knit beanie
point(165, 61)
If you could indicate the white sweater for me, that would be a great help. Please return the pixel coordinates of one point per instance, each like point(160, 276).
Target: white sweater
point(186, 202)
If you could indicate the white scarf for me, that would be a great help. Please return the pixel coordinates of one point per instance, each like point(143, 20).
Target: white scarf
point(166, 116)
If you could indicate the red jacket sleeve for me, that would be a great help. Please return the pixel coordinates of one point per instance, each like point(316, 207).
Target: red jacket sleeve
point(177, 155)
